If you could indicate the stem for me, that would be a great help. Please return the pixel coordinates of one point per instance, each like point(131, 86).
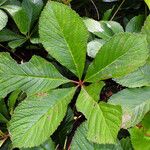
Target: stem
point(117, 10)
point(97, 12)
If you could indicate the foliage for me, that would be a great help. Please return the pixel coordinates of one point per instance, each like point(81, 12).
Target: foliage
point(53, 100)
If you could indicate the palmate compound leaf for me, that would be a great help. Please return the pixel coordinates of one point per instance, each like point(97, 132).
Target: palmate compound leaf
point(64, 36)
point(31, 77)
point(138, 78)
point(103, 119)
point(122, 54)
point(80, 141)
point(37, 117)
point(135, 104)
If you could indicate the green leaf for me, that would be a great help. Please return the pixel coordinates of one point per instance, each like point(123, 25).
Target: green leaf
point(37, 117)
point(2, 2)
point(125, 52)
point(94, 46)
point(135, 24)
point(103, 29)
point(17, 43)
point(80, 141)
point(12, 100)
point(146, 30)
point(8, 35)
point(126, 143)
point(138, 78)
point(146, 123)
point(3, 119)
point(139, 140)
point(3, 19)
point(135, 104)
point(48, 145)
point(64, 36)
point(94, 90)
point(148, 3)
point(103, 123)
point(31, 77)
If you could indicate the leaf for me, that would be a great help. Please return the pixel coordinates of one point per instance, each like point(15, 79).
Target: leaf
point(103, 29)
point(126, 143)
point(146, 30)
point(148, 3)
point(94, 90)
point(31, 77)
point(48, 145)
point(135, 24)
point(125, 52)
point(146, 123)
point(17, 43)
point(138, 78)
point(135, 104)
point(80, 141)
point(103, 123)
point(3, 119)
point(37, 117)
point(139, 140)
point(94, 46)
point(3, 19)
point(2, 2)
point(64, 36)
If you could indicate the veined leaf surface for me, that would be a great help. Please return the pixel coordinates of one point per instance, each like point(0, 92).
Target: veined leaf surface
point(64, 36)
point(31, 77)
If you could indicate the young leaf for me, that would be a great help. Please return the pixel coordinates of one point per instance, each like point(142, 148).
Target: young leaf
point(135, 24)
point(124, 53)
point(36, 118)
point(80, 141)
point(138, 78)
point(146, 29)
point(31, 77)
point(64, 36)
point(103, 123)
point(135, 104)
point(3, 19)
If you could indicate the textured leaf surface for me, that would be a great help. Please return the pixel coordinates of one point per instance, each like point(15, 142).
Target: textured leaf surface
point(80, 141)
point(148, 3)
point(138, 78)
point(146, 30)
point(36, 118)
point(135, 104)
point(125, 52)
point(103, 123)
point(139, 140)
point(135, 24)
point(94, 46)
point(3, 19)
point(103, 29)
point(64, 36)
point(31, 77)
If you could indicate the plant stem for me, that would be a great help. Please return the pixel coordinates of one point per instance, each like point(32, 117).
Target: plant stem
point(117, 10)
point(97, 12)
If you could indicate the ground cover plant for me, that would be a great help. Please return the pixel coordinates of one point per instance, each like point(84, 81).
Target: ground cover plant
point(72, 82)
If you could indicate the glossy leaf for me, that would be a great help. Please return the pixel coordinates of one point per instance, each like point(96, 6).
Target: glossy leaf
point(135, 104)
point(80, 141)
point(125, 52)
point(103, 123)
point(94, 46)
point(37, 117)
point(138, 78)
point(103, 29)
point(31, 77)
point(146, 29)
point(65, 40)
point(135, 24)
point(3, 19)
